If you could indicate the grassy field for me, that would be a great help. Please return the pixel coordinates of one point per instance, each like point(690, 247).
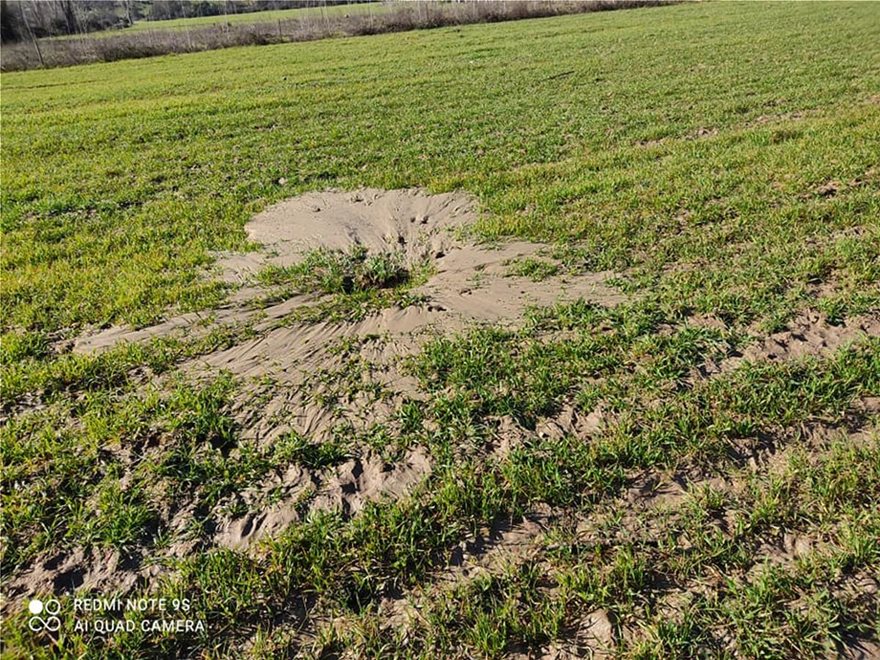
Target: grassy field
point(257, 16)
point(268, 16)
point(720, 158)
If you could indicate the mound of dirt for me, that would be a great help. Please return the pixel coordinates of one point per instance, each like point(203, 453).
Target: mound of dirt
point(409, 221)
point(469, 281)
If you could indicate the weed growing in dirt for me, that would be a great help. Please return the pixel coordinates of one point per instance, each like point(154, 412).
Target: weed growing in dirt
point(353, 284)
point(534, 269)
point(334, 271)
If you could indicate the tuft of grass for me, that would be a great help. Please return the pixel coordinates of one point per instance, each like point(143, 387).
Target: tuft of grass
point(337, 272)
point(292, 447)
point(353, 283)
point(533, 268)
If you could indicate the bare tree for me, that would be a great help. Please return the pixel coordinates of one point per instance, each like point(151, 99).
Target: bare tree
point(69, 13)
point(126, 4)
point(31, 33)
point(10, 26)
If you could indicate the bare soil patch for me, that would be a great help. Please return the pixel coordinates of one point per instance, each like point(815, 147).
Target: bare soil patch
point(468, 282)
point(809, 334)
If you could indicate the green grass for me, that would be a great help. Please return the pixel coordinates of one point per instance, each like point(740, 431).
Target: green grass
point(712, 157)
point(257, 17)
point(349, 285)
point(316, 13)
point(180, 159)
point(335, 272)
point(533, 268)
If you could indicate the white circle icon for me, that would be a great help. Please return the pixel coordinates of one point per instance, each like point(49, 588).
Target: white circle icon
point(51, 607)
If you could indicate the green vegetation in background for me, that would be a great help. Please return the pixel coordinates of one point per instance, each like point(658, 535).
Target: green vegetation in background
point(121, 179)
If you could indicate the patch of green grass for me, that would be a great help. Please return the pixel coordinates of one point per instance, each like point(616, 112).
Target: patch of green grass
point(353, 283)
point(48, 375)
point(113, 517)
point(294, 448)
point(495, 613)
point(533, 268)
point(334, 271)
point(19, 346)
point(95, 155)
point(70, 459)
point(354, 306)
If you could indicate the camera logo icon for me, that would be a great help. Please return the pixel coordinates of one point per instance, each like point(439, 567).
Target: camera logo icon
point(45, 615)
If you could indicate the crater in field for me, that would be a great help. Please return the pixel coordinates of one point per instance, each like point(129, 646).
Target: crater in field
point(422, 233)
point(343, 286)
point(410, 222)
point(349, 242)
point(403, 256)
